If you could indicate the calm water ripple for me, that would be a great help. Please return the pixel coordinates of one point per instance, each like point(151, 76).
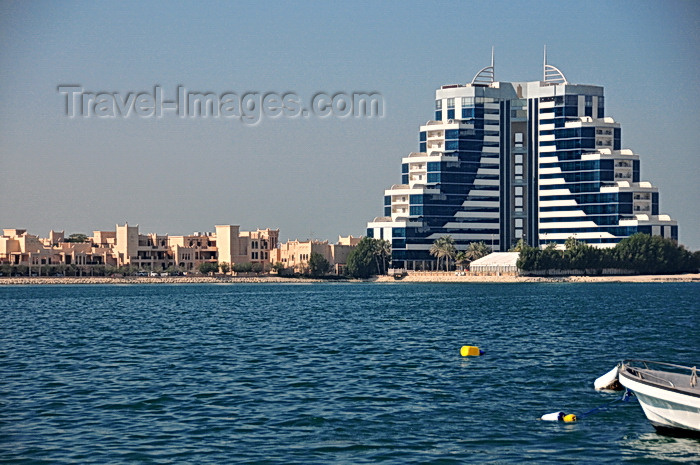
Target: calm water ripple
point(333, 373)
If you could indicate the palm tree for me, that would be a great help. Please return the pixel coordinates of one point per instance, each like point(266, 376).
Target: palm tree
point(476, 250)
point(382, 253)
point(519, 246)
point(443, 247)
point(461, 258)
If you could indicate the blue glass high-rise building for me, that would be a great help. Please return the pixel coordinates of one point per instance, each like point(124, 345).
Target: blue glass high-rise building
point(504, 161)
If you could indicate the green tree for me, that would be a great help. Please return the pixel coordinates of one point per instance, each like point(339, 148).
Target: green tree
point(694, 265)
point(550, 258)
point(245, 267)
point(528, 258)
point(361, 260)
point(257, 267)
point(77, 238)
point(654, 255)
point(208, 267)
point(443, 248)
point(225, 267)
point(579, 256)
point(318, 265)
point(278, 267)
point(109, 270)
point(174, 270)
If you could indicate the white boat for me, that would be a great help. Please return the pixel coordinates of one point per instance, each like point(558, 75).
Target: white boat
point(669, 394)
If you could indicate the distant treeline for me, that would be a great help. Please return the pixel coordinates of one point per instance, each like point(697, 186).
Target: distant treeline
point(639, 253)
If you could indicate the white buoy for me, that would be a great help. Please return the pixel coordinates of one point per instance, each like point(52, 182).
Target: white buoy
point(559, 416)
point(556, 416)
point(609, 381)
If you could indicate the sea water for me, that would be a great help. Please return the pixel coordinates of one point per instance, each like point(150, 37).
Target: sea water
point(334, 373)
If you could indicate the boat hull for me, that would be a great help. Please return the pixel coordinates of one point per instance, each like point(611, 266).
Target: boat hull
point(670, 410)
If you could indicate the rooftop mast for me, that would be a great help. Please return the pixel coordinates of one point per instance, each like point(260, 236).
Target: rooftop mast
point(485, 77)
point(551, 74)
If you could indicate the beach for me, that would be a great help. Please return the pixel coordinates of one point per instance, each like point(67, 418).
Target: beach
point(452, 278)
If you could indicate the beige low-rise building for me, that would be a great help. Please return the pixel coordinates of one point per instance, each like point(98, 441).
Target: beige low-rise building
point(125, 246)
point(235, 246)
point(18, 248)
point(294, 255)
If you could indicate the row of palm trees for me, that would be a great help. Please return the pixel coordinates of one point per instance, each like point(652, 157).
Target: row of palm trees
point(444, 250)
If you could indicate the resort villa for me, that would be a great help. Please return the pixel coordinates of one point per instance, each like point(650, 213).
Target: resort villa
point(126, 246)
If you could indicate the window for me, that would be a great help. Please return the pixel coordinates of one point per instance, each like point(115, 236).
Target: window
point(518, 169)
point(518, 190)
point(519, 159)
point(571, 100)
point(519, 137)
point(467, 101)
point(450, 103)
point(438, 104)
point(588, 110)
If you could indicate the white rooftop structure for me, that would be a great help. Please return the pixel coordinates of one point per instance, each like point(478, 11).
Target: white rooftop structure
point(497, 262)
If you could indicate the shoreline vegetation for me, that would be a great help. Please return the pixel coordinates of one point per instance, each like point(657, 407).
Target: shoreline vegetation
point(423, 277)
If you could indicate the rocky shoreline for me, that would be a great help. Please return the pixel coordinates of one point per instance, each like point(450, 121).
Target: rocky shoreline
point(423, 277)
point(150, 280)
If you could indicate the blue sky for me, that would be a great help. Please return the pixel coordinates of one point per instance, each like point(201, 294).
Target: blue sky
point(314, 176)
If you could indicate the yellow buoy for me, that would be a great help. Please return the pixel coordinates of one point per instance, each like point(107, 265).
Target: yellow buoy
point(469, 350)
point(569, 418)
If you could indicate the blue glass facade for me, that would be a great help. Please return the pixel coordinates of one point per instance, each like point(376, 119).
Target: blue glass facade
point(454, 187)
point(584, 178)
